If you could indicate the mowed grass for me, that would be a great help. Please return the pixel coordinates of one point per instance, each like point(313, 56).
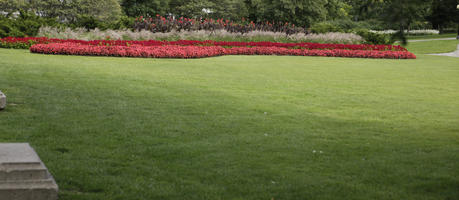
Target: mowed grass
point(238, 127)
point(422, 37)
point(430, 47)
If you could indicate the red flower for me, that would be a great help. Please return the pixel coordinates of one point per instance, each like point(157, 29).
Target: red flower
point(173, 50)
point(142, 48)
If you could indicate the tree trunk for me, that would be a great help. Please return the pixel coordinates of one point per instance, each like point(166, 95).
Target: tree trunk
point(457, 37)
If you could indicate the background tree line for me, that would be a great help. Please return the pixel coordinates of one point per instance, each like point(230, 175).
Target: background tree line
point(338, 14)
point(386, 13)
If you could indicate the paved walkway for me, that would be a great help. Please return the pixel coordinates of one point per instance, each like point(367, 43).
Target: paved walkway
point(452, 54)
point(431, 39)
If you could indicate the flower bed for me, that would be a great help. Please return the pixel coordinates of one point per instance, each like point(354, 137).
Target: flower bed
point(168, 51)
point(318, 52)
point(11, 42)
point(200, 49)
point(176, 51)
point(27, 42)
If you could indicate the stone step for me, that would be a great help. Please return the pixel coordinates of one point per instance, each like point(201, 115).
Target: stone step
point(20, 162)
point(23, 171)
point(45, 189)
point(22, 174)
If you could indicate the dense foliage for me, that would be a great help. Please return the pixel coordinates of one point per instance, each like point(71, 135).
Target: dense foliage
point(444, 13)
point(65, 10)
point(241, 16)
point(24, 25)
point(163, 24)
point(305, 13)
point(169, 24)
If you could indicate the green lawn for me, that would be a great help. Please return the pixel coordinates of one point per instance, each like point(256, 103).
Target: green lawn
point(422, 37)
point(427, 47)
point(238, 127)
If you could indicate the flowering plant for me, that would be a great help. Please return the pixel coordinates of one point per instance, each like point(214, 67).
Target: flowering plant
point(168, 24)
point(190, 51)
point(12, 42)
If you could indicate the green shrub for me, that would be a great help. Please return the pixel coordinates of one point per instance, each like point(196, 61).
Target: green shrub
point(87, 22)
point(8, 29)
point(371, 24)
point(374, 38)
point(90, 22)
point(24, 25)
point(325, 27)
point(123, 23)
point(346, 25)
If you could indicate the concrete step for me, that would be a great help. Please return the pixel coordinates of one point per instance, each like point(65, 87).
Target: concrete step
point(45, 189)
point(22, 174)
point(20, 162)
point(22, 171)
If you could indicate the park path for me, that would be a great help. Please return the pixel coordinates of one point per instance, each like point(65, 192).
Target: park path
point(426, 40)
point(451, 54)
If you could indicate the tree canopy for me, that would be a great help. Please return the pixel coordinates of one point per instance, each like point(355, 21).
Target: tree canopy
point(394, 13)
point(104, 10)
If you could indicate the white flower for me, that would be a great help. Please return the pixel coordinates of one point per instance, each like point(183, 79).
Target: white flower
point(411, 32)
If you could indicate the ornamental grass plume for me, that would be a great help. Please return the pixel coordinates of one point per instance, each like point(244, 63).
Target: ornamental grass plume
point(221, 35)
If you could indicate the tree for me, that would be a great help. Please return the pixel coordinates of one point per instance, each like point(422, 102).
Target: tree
point(337, 9)
point(444, 12)
point(231, 9)
point(366, 9)
point(404, 12)
point(102, 10)
point(193, 8)
point(227, 9)
point(299, 12)
point(11, 6)
point(66, 10)
point(136, 8)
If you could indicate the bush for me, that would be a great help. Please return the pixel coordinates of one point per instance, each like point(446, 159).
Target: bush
point(89, 22)
point(325, 27)
point(27, 24)
point(124, 22)
point(346, 25)
point(375, 38)
point(24, 25)
point(8, 29)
